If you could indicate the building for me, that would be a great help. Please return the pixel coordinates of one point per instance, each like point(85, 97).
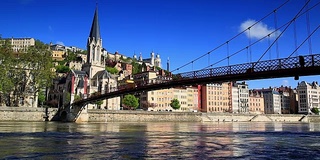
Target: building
point(285, 99)
point(153, 61)
point(214, 97)
point(272, 101)
point(256, 102)
point(240, 98)
point(308, 96)
point(92, 79)
point(20, 44)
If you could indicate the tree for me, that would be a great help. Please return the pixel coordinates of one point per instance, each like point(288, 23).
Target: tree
point(99, 103)
point(175, 104)
point(41, 98)
point(315, 111)
point(130, 101)
point(6, 62)
point(112, 70)
point(38, 61)
point(62, 69)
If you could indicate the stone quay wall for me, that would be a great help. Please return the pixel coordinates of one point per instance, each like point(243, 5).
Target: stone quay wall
point(25, 114)
point(38, 115)
point(138, 116)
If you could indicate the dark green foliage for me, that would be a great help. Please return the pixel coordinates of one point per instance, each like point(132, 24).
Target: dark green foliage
point(315, 110)
point(130, 101)
point(62, 69)
point(41, 98)
point(175, 104)
point(25, 73)
point(136, 67)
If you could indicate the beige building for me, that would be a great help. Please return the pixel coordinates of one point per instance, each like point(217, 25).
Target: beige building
point(21, 44)
point(214, 97)
point(308, 96)
point(256, 102)
point(58, 55)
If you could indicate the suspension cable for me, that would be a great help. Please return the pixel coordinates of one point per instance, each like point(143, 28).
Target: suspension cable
point(235, 53)
point(295, 36)
point(270, 51)
point(308, 30)
point(237, 35)
point(309, 36)
point(249, 39)
point(276, 26)
point(282, 32)
point(227, 53)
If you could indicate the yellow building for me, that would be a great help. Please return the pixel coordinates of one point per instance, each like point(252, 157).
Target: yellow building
point(58, 55)
point(214, 97)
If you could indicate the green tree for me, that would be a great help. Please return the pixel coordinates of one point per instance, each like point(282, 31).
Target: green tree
point(99, 103)
point(315, 110)
point(38, 61)
point(41, 98)
point(175, 104)
point(62, 69)
point(112, 70)
point(136, 67)
point(130, 101)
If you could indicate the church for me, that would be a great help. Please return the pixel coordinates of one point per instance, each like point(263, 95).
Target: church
point(92, 79)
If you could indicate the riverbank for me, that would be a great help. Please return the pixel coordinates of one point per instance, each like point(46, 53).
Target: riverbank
point(39, 114)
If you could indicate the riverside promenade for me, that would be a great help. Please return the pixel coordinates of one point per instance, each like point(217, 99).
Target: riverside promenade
point(43, 114)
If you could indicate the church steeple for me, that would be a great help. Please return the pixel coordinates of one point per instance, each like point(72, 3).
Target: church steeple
point(95, 27)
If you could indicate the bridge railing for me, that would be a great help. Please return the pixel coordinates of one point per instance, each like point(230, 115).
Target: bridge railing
point(268, 65)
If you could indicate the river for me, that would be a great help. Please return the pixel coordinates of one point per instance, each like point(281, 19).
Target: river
point(53, 140)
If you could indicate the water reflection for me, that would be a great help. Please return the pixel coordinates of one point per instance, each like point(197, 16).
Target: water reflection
point(50, 140)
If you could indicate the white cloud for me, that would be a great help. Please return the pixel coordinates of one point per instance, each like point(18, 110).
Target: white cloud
point(257, 31)
point(285, 83)
point(59, 42)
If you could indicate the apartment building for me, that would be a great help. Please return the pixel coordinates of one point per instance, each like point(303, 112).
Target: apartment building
point(308, 96)
point(240, 95)
point(256, 102)
point(214, 97)
point(272, 101)
point(21, 44)
point(192, 98)
point(285, 99)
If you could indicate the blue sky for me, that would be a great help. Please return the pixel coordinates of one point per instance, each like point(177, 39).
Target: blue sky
point(182, 30)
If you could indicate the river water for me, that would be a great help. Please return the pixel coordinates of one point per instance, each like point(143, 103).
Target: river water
point(53, 140)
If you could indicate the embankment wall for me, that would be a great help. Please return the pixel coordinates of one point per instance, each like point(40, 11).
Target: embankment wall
point(38, 114)
point(25, 114)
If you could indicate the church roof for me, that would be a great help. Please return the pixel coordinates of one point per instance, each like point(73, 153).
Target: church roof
point(102, 74)
point(95, 28)
point(79, 72)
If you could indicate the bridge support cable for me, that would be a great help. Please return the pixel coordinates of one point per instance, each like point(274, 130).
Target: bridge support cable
point(308, 28)
point(276, 26)
point(309, 36)
point(234, 37)
point(270, 51)
point(295, 17)
point(295, 36)
point(249, 39)
point(227, 53)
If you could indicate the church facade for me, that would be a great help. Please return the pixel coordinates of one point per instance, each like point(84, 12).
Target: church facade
point(93, 79)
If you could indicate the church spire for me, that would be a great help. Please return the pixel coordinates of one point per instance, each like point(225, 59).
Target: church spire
point(95, 27)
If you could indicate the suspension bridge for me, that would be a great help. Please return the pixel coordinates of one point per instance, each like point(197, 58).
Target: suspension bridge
point(291, 65)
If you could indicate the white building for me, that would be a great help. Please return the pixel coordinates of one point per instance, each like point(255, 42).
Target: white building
point(308, 96)
point(272, 101)
point(240, 98)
